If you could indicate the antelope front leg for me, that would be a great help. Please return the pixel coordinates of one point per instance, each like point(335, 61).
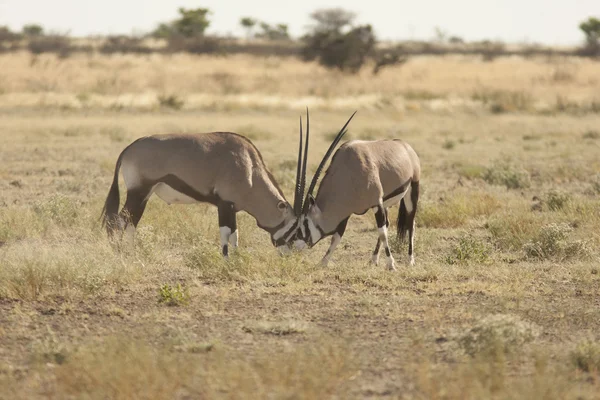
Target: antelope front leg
point(382, 223)
point(227, 225)
point(335, 240)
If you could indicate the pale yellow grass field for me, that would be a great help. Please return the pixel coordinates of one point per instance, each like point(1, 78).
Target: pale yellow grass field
point(80, 320)
point(130, 81)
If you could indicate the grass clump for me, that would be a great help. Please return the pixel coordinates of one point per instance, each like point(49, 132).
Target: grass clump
point(497, 335)
point(457, 210)
point(552, 242)
point(470, 249)
point(502, 101)
point(586, 356)
point(173, 295)
point(591, 134)
point(449, 144)
point(277, 328)
point(171, 101)
point(557, 200)
point(505, 174)
point(34, 270)
point(59, 209)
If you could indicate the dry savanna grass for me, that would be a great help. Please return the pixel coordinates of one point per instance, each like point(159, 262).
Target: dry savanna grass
point(503, 301)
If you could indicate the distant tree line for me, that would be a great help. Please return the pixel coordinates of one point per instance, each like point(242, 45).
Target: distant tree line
point(333, 39)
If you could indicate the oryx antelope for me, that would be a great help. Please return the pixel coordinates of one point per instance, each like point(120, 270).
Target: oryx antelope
point(363, 175)
point(221, 168)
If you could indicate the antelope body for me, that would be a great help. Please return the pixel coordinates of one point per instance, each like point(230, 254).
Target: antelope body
point(363, 175)
point(221, 168)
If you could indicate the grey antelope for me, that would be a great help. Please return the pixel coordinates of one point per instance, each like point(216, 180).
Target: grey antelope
point(221, 168)
point(363, 175)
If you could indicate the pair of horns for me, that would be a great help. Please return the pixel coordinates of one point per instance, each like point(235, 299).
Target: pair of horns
point(301, 202)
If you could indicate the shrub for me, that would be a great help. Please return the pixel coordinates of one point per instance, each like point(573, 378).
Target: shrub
point(556, 200)
point(552, 243)
point(57, 44)
point(591, 134)
point(59, 209)
point(173, 295)
point(506, 174)
point(586, 356)
point(497, 335)
point(501, 101)
point(33, 30)
point(124, 44)
point(469, 249)
point(170, 101)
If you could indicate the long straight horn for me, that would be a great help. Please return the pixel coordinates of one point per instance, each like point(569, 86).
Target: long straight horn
point(298, 195)
point(315, 178)
point(305, 161)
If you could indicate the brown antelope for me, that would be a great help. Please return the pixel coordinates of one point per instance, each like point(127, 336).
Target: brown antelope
point(221, 168)
point(363, 175)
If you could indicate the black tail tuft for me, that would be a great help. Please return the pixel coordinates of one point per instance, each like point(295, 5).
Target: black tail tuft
point(110, 210)
point(405, 218)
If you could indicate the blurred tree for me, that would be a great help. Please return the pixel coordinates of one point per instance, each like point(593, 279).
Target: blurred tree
point(591, 30)
point(335, 43)
point(191, 23)
point(276, 32)
point(248, 24)
point(331, 19)
point(33, 30)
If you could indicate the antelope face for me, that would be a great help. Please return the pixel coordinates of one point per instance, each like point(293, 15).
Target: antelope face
point(308, 232)
point(284, 236)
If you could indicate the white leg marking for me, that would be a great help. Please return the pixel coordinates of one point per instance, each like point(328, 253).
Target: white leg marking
point(384, 241)
point(225, 233)
point(335, 240)
point(283, 250)
point(233, 239)
point(375, 255)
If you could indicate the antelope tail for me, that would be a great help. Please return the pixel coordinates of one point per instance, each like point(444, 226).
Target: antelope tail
point(406, 217)
point(111, 205)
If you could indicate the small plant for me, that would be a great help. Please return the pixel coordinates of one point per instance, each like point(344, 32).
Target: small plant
point(59, 208)
point(170, 101)
point(552, 243)
point(497, 335)
point(596, 184)
point(504, 173)
point(173, 295)
point(280, 328)
point(557, 200)
point(591, 134)
point(449, 144)
point(469, 249)
point(586, 356)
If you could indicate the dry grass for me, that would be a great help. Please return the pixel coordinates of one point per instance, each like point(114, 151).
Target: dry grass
point(192, 82)
point(79, 319)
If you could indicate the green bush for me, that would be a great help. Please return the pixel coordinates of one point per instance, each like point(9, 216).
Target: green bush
point(557, 200)
point(497, 335)
point(506, 174)
point(173, 295)
point(552, 242)
point(469, 249)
